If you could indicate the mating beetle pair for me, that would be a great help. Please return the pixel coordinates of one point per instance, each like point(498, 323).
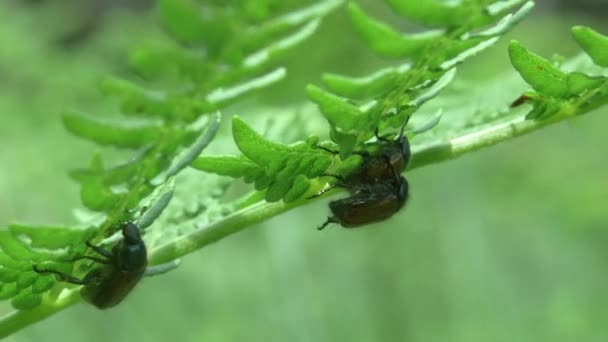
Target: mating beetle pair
point(377, 187)
point(119, 271)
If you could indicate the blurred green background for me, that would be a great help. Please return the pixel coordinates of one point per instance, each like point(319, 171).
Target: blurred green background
point(505, 244)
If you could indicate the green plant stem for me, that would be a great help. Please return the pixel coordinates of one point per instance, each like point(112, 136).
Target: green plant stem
point(17, 320)
point(422, 156)
point(234, 223)
point(249, 216)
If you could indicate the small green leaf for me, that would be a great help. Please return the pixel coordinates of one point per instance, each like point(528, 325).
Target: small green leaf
point(349, 165)
point(10, 262)
point(43, 284)
point(594, 44)
point(7, 290)
point(113, 176)
point(61, 266)
point(502, 6)
point(205, 138)
point(228, 166)
point(48, 236)
point(508, 21)
point(460, 51)
point(338, 111)
point(370, 86)
point(276, 157)
point(281, 164)
point(347, 142)
point(106, 133)
point(16, 249)
point(154, 61)
point(277, 189)
point(432, 13)
point(434, 90)
point(26, 300)
point(579, 82)
point(300, 186)
point(157, 207)
point(139, 101)
point(385, 41)
point(538, 72)
point(98, 197)
point(26, 279)
point(544, 108)
point(278, 48)
point(277, 27)
point(8, 275)
point(223, 96)
point(253, 145)
point(184, 20)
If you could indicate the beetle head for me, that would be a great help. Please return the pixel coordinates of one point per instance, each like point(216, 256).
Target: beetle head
point(130, 233)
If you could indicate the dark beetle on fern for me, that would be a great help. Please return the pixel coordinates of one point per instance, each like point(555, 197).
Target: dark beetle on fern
point(374, 167)
point(119, 272)
point(378, 190)
point(370, 202)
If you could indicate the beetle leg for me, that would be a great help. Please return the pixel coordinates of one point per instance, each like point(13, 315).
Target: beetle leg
point(326, 149)
point(99, 250)
point(379, 137)
point(330, 219)
point(62, 276)
point(407, 120)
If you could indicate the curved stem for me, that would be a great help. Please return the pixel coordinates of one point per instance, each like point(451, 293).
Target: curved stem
point(422, 155)
point(17, 320)
point(234, 223)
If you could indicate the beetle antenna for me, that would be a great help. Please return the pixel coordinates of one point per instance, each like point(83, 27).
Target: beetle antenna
point(329, 220)
point(378, 136)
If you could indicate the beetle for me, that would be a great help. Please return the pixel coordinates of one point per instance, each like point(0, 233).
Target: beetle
point(370, 203)
point(374, 167)
point(119, 271)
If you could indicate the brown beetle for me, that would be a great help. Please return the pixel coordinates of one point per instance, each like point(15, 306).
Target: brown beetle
point(375, 204)
point(369, 203)
point(374, 167)
point(120, 270)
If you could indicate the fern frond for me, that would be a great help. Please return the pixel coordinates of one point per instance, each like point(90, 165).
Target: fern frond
point(356, 106)
point(167, 122)
point(563, 93)
point(287, 168)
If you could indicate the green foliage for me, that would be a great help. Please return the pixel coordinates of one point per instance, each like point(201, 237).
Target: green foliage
point(217, 54)
point(556, 91)
point(356, 106)
point(168, 118)
point(22, 245)
point(594, 43)
point(282, 170)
